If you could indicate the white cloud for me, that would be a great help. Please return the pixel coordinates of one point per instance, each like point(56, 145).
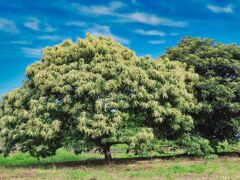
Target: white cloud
point(99, 9)
point(50, 37)
point(151, 19)
point(137, 17)
point(32, 23)
point(35, 24)
point(32, 52)
point(21, 42)
point(8, 26)
point(157, 42)
point(120, 39)
point(98, 30)
point(149, 32)
point(76, 23)
point(217, 9)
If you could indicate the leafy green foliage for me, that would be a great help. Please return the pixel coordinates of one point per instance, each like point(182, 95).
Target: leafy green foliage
point(96, 92)
point(195, 145)
point(142, 142)
point(226, 147)
point(218, 88)
point(26, 120)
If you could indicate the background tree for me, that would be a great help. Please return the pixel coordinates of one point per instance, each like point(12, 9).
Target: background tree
point(218, 88)
point(97, 92)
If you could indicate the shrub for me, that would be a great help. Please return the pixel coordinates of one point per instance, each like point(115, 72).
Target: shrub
point(195, 145)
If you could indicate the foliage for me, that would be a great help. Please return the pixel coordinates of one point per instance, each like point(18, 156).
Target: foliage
point(165, 146)
point(142, 142)
point(195, 145)
point(96, 92)
point(226, 146)
point(26, 120)
point(218, 89)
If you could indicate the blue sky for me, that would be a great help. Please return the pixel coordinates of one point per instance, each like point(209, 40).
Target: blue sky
point(146, 26)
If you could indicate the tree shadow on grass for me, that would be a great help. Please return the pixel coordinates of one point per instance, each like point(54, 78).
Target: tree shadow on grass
point(116, 161)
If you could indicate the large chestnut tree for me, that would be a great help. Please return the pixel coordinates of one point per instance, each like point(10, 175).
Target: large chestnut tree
point(96, 93)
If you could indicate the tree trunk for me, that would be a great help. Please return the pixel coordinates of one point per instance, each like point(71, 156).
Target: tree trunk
point(107, 152)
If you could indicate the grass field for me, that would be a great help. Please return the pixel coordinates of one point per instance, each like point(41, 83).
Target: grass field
point(66, 165)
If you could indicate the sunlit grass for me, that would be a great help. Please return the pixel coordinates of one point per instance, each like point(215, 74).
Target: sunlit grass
point(150, 169)
point(62, 155)
point(20, 165)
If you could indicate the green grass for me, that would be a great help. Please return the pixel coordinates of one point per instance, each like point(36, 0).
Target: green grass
point(181, 168)
point(149, 169)
point(62, 155)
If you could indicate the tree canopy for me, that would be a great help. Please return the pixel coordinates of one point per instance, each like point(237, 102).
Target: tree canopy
point(218, 89)
point(96, 92)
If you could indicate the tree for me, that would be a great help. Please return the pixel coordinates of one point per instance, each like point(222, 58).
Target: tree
point(96, 92)
point(218, 88)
